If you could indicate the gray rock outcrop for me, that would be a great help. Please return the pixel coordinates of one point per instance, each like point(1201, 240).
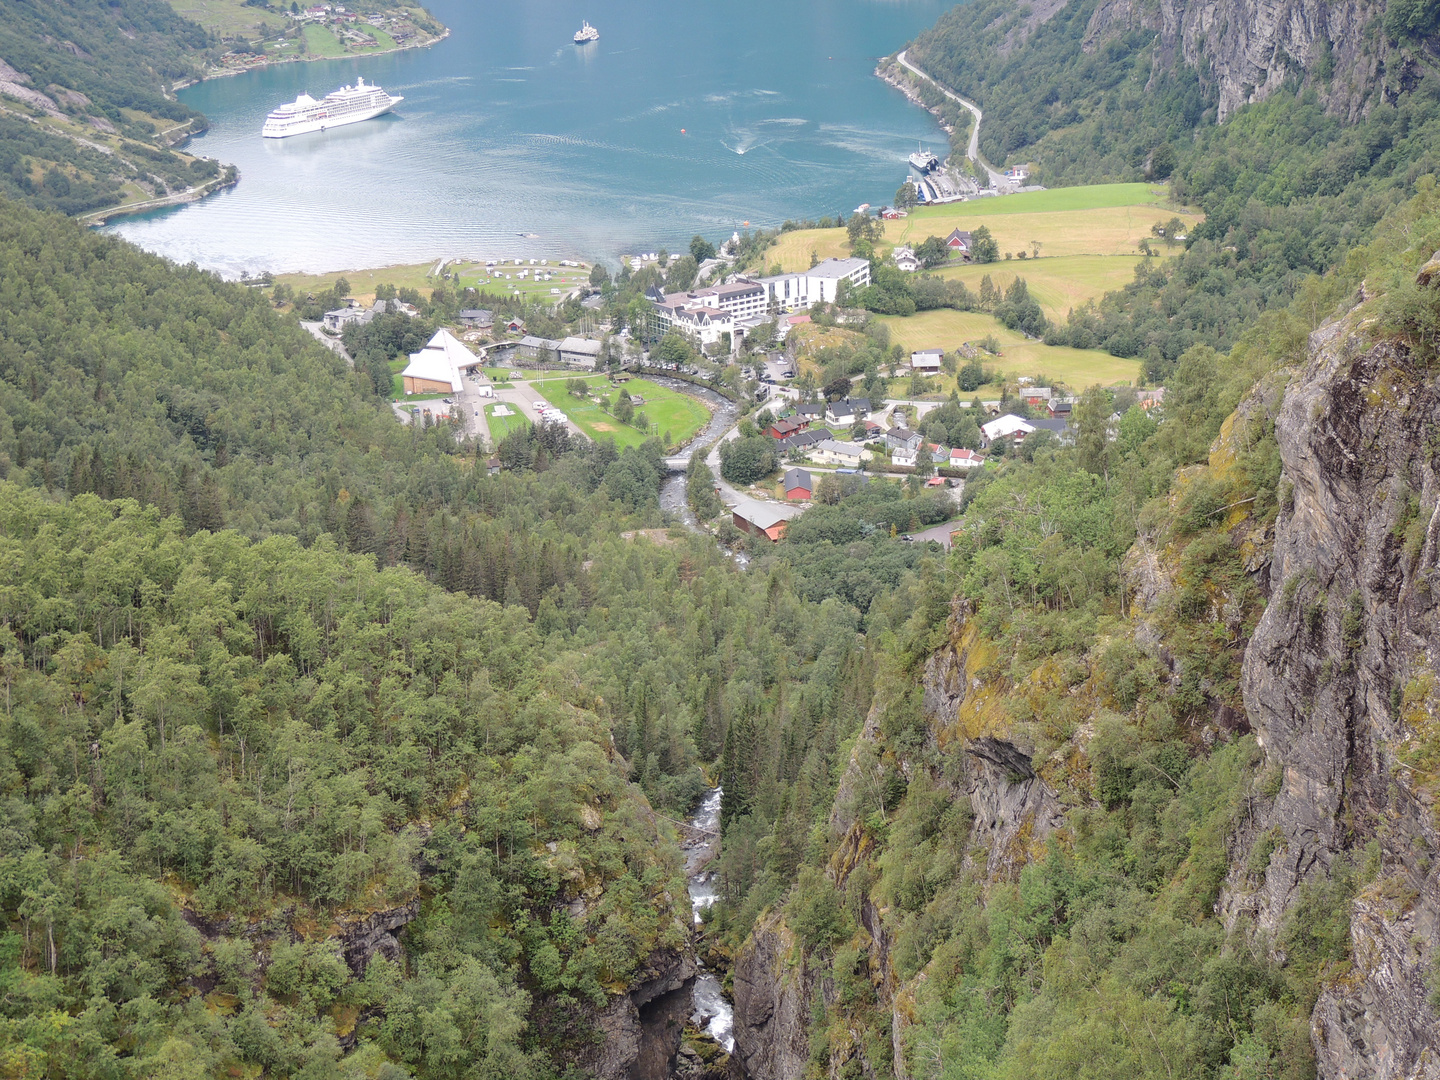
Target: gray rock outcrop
point(639, 1032)
point(1336, 679)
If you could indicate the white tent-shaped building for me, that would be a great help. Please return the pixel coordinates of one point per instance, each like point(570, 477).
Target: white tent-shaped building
point(436, 368)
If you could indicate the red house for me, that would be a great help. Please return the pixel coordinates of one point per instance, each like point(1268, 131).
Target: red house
point(759, 520)
point(783, 429)
point(798, 485)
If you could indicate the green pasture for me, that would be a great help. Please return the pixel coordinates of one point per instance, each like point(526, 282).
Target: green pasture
point(319, 41)
point(668, 410)
point(1056, 284)
point(946, 329)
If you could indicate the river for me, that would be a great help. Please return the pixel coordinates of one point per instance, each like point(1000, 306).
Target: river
point(722, 417)
point(681, 119)
point(712, 1009)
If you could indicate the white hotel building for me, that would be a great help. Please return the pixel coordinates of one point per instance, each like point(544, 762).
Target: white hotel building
point(818, 285)
point(705, 314)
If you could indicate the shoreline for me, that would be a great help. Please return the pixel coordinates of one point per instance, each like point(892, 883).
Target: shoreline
point(972, 152)
point(97, 218)
point(231, 176)
point(225, 73)
point(885, 72)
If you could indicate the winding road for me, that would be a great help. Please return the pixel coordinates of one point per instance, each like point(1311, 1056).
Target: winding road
point(997, 177)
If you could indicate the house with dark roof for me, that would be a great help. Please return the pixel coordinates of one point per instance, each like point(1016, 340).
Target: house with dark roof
point(900, 438)
point(1061, 428)
point(810, 411)
point(847, 410)
point(476, 318)
point(798, 485)
point(959, 240)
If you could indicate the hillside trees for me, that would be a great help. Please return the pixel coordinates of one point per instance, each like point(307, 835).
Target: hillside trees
point(264, 723)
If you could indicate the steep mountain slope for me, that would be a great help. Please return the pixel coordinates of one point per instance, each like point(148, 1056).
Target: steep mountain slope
point(1191, 833)
point(86, 111)
point(1091, 88)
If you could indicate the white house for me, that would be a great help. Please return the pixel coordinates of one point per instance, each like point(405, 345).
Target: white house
point(845, 455)
point(343, 317)
point(818, 285)
point(926, 360)
point(961, 458)
point(905, 259)
point(847, 410)
point(1006, 427)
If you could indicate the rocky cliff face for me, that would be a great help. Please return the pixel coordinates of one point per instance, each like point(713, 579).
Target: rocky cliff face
point(778, 985)
point(1246, 49)
point(1339, 679)
point(1341, 686)
point(639, 1032)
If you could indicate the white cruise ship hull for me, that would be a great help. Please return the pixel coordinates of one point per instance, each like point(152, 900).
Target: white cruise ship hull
point(306, 125)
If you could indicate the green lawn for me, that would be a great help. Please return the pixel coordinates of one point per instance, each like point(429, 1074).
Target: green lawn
point(669, 410)
point(565, 279)
point(385, 40)
point(321, 42)
point(230, 17)
point(1104, 230)
point(500, 426)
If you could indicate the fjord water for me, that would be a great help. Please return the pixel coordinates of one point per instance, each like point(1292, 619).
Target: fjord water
point(508, 128)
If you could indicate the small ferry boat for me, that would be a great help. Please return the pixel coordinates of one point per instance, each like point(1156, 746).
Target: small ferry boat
point(586, 34)
point(923, 161)
point(348, 105)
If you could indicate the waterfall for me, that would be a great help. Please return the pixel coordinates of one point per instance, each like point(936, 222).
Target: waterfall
point(712, 1009)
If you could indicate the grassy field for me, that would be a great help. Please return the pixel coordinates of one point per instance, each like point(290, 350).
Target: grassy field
point(1102, 219)
point(482, 277)
point(669, 410)
point(319, 41)
point(363, 282)
point(229, 17)
point(421, 276)
point(1076, 368)
point(792, 251)
point(500, 426)
point(1089, 197)
point(1114, 230)
point(1056, 284)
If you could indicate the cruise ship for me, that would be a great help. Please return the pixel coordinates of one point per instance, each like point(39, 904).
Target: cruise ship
point(586, 34)
point(923, 161)
point(348, 105)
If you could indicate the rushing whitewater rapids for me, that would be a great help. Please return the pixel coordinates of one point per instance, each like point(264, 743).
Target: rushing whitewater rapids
point(712, 1008)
